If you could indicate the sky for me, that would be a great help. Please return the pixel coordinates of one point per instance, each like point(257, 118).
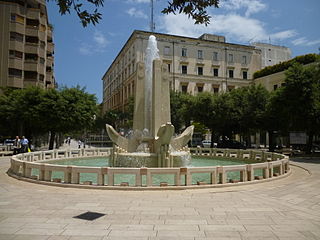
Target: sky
point(82, 55)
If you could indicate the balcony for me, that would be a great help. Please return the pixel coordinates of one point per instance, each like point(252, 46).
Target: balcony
point(31, 48)
point(15, 82)
point(17, 27)
point(18, 46)
point(50, 47)
point(31, 66)
point(15, 63)
point(33, 13)
point(49, 61)
point(32, 31)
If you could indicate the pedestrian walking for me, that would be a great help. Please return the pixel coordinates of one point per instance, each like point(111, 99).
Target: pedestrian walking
point(16, 145)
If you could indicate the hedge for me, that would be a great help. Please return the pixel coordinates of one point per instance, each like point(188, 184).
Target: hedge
point(304, 59)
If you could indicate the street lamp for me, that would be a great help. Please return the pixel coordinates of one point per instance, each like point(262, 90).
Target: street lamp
point(226, 64)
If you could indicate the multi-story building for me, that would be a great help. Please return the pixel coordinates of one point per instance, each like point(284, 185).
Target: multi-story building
point(26, 46)
point(272, 54)
point(207, 63)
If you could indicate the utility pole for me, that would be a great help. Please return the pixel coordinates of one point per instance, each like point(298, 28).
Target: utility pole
point(152, 25)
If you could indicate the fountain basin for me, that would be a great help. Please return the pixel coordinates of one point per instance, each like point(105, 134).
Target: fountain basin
point(32, 167)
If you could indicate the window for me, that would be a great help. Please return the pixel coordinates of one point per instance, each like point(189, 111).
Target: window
point(19, 19)
point(15, 54)
point(166, 50)
point(169, 67)
point(200, 54)
point(215, 56)
point(30, 75)
point(16, 37)
point(230, 58)
point(215, 72)
point(215, 89)
point(230, 88)
point(245, 75)
point(230, 73)
point(41, 77)
point(184, 88)
point(275, 87)
point(42, 60)
point(200, 70)
point(13, 17)
point(184, 52)
point(32, 23)
point(15, 72)
point(200, 88)
point(31, 39)
point(29, 57)
point(184, 69)
point(244, 59)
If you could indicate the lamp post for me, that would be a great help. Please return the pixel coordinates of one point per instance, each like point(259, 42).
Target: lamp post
point(226, 65)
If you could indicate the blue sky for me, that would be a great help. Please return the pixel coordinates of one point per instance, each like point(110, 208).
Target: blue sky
point(82, 55)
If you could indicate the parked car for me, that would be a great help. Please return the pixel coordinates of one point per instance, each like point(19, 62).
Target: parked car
point(8, 142)
point(231, 144)
point(206, 143)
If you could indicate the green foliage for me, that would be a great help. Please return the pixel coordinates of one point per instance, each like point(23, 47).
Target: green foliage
point(305, 59)
point(196, 9)
point(180, 110)
point(33, 111)
point(85, 17)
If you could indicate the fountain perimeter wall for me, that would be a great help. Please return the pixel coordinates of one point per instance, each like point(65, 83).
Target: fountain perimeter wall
point(273, 166)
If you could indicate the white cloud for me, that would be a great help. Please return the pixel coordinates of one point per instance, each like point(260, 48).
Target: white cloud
point(304, 41)
point(283, 35)
point(98, 44)
point(100, 39)
point(133, 12)
point(251, 6)
point(235, 27)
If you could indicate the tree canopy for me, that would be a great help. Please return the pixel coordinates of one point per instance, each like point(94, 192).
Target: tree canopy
point(196, 9)
point(33, 111)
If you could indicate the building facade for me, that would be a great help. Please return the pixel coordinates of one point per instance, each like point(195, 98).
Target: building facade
point(26, 44)
point(272, 54)
point(207, 63)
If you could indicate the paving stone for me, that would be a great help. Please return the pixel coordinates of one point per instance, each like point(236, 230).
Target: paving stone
point(283, 209)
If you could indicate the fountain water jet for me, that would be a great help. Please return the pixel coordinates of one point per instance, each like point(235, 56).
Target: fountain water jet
point(152, 143)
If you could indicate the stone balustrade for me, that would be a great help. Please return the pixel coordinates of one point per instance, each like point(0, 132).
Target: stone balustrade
point(272, 166)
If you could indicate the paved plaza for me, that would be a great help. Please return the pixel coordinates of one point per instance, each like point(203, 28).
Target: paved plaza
point(287, 208)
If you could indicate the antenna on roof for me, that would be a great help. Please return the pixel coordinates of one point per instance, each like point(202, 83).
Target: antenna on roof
point(152, 25)
point(269, 40)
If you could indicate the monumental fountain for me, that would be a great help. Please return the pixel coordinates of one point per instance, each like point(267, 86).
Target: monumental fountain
point(152, 143)
point(151, 155)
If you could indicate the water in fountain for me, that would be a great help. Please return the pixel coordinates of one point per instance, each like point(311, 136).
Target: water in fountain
point(152, 53)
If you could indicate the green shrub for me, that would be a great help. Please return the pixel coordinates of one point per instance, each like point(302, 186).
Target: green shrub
point(304, 59)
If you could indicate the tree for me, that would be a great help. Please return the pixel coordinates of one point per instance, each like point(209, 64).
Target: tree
point(180, 110)
point(19, 111)
point(249, 105)
point(301, 94)
point(196, 9)
point(85, 17)
point(33, 111)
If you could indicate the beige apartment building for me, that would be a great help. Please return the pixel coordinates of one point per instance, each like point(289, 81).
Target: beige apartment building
point(26, 45)
point(207, 63)
point(272, 54)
